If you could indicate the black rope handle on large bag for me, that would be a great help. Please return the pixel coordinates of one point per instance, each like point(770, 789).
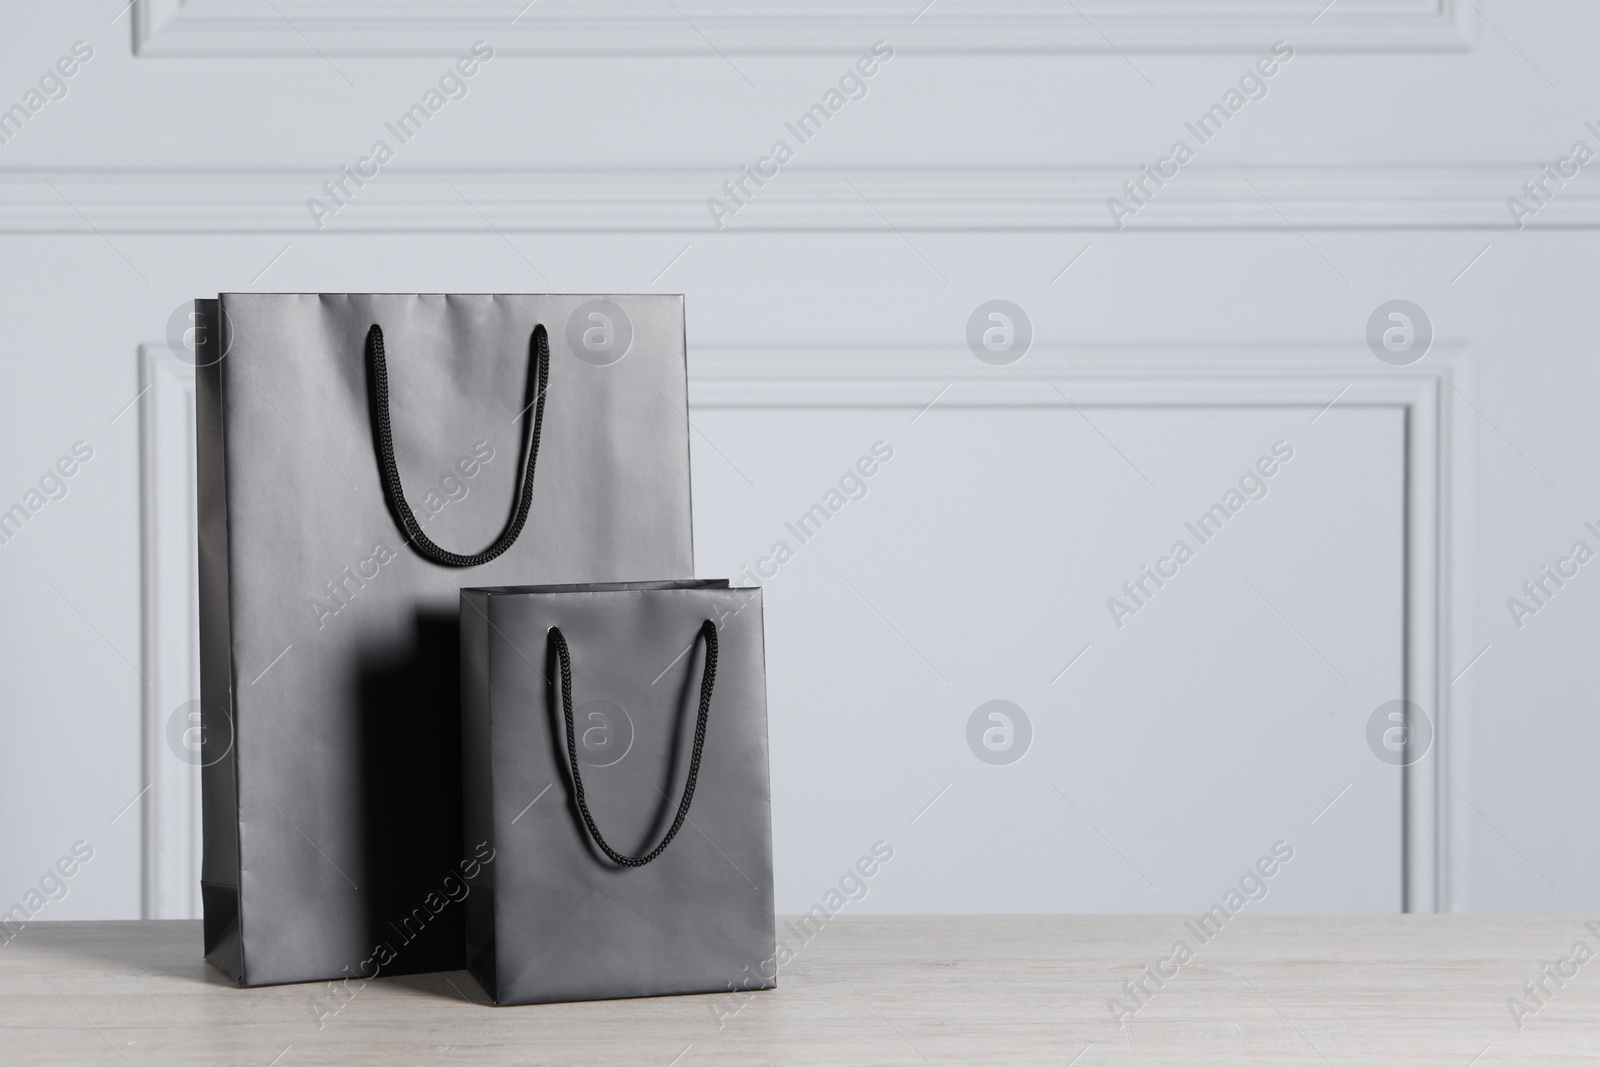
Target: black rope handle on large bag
point(708, 679)
point(390, 472)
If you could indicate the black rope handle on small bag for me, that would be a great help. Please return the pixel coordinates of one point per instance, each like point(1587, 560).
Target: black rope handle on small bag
point(708, 679)
point(390, 472)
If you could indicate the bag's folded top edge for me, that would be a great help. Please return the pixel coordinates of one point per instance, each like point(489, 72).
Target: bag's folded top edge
point(600, 587)
point(320, 294)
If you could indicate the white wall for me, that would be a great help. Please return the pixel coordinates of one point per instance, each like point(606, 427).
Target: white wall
point(1377, 167)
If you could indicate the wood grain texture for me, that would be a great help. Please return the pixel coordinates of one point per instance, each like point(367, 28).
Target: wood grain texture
point(1410, 990)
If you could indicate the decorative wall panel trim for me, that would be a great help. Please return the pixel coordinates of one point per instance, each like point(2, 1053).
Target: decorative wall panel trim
point(169, 584)
point(1439, 480)
point(1438, 638)
point(864, 200)
point(719, 28)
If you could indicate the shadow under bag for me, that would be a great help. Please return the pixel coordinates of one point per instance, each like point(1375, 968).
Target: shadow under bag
point(615, 763)
point(361, 458)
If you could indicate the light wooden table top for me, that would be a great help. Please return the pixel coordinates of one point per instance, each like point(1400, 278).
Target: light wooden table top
point(920, 991)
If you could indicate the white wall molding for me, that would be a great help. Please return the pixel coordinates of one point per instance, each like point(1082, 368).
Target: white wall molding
point(169, 585)
point(1439, 479)
point(160, 200)
point(745, 27)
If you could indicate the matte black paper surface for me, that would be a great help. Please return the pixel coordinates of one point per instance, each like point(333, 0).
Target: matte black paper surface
point(329, 647)
point(552, 918)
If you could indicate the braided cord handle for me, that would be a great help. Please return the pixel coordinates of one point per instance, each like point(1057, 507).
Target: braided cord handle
point(390, 471)
point(708, 680)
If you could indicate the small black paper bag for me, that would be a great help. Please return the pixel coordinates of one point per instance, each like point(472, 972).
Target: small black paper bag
point(614, 742)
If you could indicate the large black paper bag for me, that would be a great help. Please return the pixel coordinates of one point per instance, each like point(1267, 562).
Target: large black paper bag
point(362, 458)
